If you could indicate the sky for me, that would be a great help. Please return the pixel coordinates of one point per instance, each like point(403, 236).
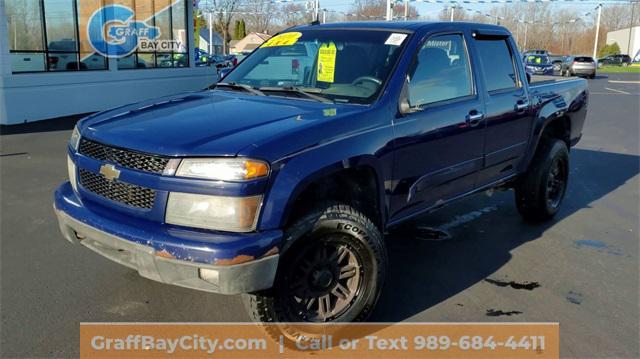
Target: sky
point(432, 10)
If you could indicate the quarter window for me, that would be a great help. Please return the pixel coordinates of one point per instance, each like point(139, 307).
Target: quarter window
point(440, 72)
point(497, 64)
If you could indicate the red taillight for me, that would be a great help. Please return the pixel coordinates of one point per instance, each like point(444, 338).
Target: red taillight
point(53, 60)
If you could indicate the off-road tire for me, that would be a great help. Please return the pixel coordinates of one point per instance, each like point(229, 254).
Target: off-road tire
point(270, 306)
point(533, 191)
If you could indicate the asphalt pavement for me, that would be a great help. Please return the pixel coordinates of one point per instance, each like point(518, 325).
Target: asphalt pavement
point(580, 270)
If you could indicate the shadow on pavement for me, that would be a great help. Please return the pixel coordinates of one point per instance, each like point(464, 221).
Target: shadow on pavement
point(56, 124)
point(423, 273)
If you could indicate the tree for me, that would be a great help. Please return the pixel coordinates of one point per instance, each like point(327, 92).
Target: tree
point(612, 49)
point(377, 9)
point(239, 30)
point(260, 17)
point(224, 12)
point(199, 23)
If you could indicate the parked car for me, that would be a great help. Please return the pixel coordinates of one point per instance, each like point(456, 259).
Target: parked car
point(556, 61)
point(535, 52)
point(619, 60)
point(538, 65)
point(579, 66)
point(219, 61)
point(282, 187)
point(241, 56)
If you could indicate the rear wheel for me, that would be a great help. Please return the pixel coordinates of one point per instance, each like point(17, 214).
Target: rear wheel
point(332, 270)
point(541, 190)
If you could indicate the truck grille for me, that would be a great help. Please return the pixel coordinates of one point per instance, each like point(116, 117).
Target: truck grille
point(128, 194)
point(124, 158)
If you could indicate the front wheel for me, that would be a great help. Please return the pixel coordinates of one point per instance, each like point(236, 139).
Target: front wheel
point(541, 190)
point(332, 270)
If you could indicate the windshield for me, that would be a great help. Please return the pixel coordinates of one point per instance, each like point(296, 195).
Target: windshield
point(339, 66)
point(537, 60)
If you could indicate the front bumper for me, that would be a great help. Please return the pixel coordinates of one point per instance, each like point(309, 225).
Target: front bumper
point(231, 263)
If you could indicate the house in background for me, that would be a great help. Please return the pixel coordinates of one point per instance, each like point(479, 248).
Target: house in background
point(204, 42)
point(248, 43)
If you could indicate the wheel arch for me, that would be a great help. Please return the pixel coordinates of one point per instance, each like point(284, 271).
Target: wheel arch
point(357, 181)
point(552, 121)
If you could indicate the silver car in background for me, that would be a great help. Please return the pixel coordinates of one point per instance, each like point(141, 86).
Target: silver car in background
point(579, 66)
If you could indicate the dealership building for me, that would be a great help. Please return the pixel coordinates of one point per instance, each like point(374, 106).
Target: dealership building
point(628, 39)
point(66, 57)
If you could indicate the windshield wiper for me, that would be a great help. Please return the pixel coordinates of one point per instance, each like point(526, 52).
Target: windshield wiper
point(237, 86)
point(292, 89)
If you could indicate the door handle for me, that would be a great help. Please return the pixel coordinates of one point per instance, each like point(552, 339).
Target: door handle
point(522, 105)
point(474, 118)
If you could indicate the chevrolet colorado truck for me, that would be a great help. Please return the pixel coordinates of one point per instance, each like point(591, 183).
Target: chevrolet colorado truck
point(280, 184)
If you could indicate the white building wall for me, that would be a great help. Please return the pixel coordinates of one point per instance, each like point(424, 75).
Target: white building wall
point(622, 38)
point(5, 60)
point(38, 96)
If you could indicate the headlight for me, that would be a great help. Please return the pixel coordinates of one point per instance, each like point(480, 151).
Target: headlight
point(231, 214)
point(74, 141)
point(222, 169)
point(73, 177)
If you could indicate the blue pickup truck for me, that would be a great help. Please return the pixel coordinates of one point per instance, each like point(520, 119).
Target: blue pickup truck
point(280, 185)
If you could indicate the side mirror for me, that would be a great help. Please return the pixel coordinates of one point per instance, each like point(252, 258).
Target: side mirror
point(404, 107)
point(223, 72)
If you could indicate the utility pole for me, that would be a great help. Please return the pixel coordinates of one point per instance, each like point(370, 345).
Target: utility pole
point(316, 10)
point(210, 32)
point(453, 9)
point(524, 46)
point(633, 7)
point(324, 16)
point(406, 10)
point(595, 44)
point(389, 11)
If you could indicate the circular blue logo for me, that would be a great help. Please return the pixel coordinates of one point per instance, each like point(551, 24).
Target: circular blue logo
point(113, 31)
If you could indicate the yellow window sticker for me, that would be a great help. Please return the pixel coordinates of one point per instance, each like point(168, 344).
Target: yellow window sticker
point(329, 112)
point(327, 62)
point(286, 39)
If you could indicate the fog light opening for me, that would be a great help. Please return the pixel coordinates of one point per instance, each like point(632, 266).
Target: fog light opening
point(209, 275)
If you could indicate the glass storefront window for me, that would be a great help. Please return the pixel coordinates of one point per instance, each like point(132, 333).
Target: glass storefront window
point(25, 35)
point(51, 35)
point(169, 16)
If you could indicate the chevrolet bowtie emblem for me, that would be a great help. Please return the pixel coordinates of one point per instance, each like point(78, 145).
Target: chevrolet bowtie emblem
point(109, 172)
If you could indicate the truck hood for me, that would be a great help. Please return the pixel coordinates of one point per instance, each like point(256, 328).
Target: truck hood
point(207, 123)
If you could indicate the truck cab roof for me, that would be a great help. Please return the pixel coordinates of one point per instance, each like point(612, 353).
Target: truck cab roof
point(402, 26)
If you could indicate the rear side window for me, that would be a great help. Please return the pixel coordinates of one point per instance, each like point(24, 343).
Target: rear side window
point(440, 71)
point(583, 59)
point(497, 64)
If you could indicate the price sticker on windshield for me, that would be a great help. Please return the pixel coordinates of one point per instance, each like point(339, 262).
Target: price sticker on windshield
point(286, 39)
point(327, 62)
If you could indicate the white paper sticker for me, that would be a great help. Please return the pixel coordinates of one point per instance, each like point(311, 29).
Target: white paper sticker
point(395, 39)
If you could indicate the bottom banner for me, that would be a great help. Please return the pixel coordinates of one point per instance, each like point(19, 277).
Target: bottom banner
point(294, 340)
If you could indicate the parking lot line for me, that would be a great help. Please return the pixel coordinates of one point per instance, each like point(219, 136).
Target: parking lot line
point(620, 91)
point(624, 82)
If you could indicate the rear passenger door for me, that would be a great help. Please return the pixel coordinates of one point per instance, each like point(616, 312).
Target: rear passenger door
point(439, 143)
point(507, 110)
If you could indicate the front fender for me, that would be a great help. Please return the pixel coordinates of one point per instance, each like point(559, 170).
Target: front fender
point(294, 173)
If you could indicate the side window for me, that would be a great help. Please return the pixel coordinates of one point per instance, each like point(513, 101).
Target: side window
point(440, 72)
point(497, 64)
